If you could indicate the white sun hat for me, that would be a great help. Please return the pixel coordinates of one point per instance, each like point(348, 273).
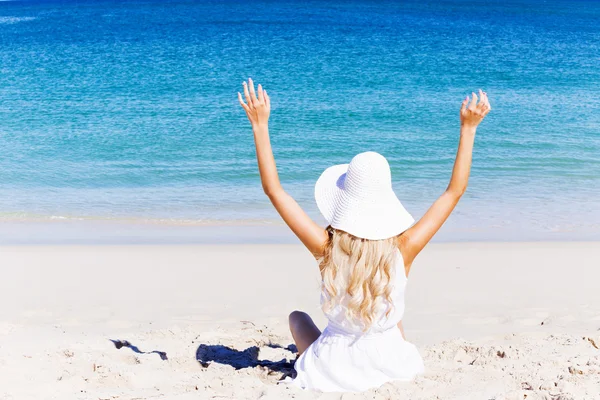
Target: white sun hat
point(358, 198)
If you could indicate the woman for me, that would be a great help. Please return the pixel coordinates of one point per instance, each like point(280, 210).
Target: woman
point(365, 256)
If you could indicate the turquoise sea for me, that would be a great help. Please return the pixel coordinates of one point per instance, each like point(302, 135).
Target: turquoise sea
point(127, 110)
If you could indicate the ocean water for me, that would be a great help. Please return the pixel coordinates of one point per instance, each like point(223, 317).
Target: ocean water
point(127, 111)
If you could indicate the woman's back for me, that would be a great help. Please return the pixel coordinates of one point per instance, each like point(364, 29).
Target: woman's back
point(338, 315)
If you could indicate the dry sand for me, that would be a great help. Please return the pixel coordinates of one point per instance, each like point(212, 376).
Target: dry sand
point(492, 321)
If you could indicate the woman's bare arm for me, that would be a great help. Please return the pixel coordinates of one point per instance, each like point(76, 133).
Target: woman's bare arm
point(399, 325)
point(258, 109)
point(416, 238)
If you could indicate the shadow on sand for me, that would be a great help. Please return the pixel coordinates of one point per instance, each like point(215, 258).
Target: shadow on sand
point(124, 343)
point(245, 359)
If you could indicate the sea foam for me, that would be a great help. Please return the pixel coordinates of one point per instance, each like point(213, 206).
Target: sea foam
point(15, 20)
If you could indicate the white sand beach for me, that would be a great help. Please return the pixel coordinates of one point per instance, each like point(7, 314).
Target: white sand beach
point(492, 321)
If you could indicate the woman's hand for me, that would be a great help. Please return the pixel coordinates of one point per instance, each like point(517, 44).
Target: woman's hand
point(471, 115)
point(258, 108)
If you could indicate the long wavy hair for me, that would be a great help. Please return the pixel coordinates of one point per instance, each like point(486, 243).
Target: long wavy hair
point(358, 273)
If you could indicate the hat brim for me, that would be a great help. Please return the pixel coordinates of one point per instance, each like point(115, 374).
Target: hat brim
point(378, 218)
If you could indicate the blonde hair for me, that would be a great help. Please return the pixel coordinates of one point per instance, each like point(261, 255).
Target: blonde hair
point(359, 273)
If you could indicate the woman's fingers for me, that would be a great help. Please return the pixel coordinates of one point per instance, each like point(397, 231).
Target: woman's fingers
point(481, 107)
point(486, 104)
point(261, 96)
point(254, 99)
point(481, 104)
point(244, 106)
point(487, 108)
point(247, 94)
point(473, 104)
point(463, 106)
point(267, 100)
point(252, 92)
point(472, 111)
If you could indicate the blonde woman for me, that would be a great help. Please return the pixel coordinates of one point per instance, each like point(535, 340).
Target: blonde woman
point(364, 255)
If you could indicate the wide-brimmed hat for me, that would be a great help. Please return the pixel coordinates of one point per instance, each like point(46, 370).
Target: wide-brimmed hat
point(358, 198)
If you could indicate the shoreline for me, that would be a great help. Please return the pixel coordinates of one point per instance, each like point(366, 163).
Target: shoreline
point(148, 231)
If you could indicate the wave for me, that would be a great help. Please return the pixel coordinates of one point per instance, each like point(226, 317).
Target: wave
point(15, 20)
point(25, 217)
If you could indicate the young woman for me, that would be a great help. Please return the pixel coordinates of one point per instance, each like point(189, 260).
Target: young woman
point(364, 255)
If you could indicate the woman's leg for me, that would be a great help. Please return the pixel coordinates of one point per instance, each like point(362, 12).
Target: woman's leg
point(304, 331)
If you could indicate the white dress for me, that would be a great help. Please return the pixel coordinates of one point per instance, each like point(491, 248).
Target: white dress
point(346, 359)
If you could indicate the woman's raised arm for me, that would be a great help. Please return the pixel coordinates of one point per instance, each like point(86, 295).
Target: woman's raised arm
point(258, 109)
point(416, 238)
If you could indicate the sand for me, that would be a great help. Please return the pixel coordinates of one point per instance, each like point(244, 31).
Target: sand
point(492, 321)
